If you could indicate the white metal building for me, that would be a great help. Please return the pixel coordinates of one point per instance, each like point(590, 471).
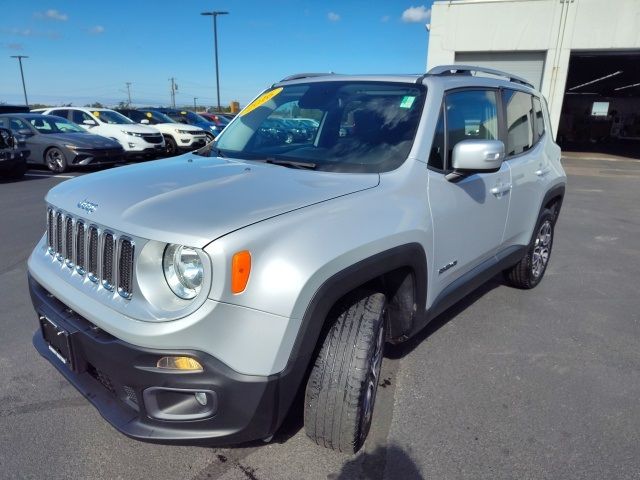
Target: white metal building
point(583, 53)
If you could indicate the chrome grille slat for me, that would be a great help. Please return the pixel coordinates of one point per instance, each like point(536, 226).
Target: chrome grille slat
point(125, 267)
point(105, 257)
point(80, 247)
point(58, 248)
point(108, 264)
point(92, 264)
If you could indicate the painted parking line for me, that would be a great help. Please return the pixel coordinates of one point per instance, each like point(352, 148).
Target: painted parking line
point(44, 175)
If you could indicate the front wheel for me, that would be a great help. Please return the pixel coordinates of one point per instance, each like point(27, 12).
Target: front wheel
point(528, 272)
point(342, 387)
point(55, 160)
point(171, 146)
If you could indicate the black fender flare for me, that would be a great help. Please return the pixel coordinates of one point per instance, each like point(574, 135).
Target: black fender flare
point(411, 255)
point(557, 191)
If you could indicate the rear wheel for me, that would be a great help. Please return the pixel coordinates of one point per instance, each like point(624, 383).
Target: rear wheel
point(528, 272)
point(55, 160)
point(342, 387)
point(210, 137)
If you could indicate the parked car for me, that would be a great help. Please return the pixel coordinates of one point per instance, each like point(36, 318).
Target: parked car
point(177, 136)
point(137, 140)
point(13, 159)
point(14, 109)
point(188, 117)
point(207, 292)
point(60, 144)
point(215, 118)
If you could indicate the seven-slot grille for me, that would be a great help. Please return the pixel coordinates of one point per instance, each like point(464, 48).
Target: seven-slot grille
point(104, 257)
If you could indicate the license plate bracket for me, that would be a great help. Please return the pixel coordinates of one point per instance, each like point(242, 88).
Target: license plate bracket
point(58, 340)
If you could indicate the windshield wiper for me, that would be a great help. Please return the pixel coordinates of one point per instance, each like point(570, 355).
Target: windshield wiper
point(291, 163)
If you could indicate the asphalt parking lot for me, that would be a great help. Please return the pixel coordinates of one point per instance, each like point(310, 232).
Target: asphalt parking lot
point(540, 384)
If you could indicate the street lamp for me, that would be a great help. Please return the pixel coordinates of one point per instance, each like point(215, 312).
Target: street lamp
point(24, 89)
point(215, 42)
point(195, 108)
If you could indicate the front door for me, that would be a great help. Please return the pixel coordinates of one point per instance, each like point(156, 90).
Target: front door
point(469, 215)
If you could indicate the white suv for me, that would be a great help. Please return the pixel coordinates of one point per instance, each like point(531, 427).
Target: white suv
point(137, 140)
point(178, 137)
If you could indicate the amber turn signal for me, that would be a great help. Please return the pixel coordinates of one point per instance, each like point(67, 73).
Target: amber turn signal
point(240, 270)
point(185, 364)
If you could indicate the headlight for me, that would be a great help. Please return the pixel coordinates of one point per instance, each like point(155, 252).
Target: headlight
point(133, 134)
point(72, 147)
point(183, 270)
point(185, 132)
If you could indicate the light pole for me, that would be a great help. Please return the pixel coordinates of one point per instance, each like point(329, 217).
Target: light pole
point(195, 108)
point(20, 57)
point(215, 42)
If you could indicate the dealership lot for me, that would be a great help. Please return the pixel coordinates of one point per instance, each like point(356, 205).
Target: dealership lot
point(507, 384)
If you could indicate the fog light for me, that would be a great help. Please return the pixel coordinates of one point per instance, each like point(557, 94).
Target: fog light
point(131, 145)
point(201, 398)
point(185, 364)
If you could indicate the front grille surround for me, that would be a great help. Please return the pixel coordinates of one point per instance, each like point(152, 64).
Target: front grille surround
point(103, 256)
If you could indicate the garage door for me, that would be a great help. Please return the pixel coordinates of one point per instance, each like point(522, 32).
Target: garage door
point(528, 65)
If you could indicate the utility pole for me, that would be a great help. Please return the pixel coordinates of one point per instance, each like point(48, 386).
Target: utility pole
point(215, 42)
point(24, 88)
point(174, 87)
point(129, 93)
point(195, 108)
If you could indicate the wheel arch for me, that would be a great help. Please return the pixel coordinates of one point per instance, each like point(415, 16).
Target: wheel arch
point(553, 201)
point(400, 273)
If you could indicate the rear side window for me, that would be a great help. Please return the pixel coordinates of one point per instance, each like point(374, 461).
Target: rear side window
point(539, 117)
point(471, 115)
point(519, 121)
point(60, 113)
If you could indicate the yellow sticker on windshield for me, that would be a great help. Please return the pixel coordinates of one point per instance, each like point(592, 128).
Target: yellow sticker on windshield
point(96, 114)
point(149, 115)
point(183, 113)
point(261, 100)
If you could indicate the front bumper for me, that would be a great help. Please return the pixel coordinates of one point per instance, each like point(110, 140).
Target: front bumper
point(97, 156)
point(121, 379)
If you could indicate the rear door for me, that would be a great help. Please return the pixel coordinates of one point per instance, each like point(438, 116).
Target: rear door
point(469, 216)
point(526, 157)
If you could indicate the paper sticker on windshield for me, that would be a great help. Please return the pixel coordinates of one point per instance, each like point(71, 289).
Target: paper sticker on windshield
point(96, 114)
point(183, 113)
point(407, 101)
point(149, 114)
point(261, 100)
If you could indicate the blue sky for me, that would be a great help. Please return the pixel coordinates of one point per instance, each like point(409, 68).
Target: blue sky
point(85, 51)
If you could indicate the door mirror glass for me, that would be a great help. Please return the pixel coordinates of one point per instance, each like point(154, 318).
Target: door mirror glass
point(477, 156)
point(145, 121)
point(25, 132)
point(90, 123)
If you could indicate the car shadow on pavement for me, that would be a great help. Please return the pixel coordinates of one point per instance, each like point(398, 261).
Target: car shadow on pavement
point(401, 350)
point(372, 466)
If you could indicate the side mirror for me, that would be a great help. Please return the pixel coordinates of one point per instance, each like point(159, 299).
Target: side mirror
point(91, 123)
point(145, 121)
point(25, 132)
point(476, 156)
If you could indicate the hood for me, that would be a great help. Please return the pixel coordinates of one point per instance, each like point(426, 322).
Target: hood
point(83, 140)
point(193, 200)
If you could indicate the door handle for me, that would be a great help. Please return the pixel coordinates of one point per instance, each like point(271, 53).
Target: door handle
point(543, 171)
point(501, 189)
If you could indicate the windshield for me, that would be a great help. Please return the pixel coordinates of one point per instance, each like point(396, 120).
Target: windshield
point(55, 125)
point(335, 126)
point(151, 115)
point(111, 117)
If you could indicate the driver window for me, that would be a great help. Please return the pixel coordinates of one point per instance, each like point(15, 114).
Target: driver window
point(471, 115)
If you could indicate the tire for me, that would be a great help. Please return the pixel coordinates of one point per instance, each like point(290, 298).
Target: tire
point(342, 387)
point(528, 272)
point(55, 160)
point(171, 146)
point(210, 137)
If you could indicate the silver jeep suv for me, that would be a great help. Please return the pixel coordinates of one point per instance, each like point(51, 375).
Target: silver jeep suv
point(190, 299)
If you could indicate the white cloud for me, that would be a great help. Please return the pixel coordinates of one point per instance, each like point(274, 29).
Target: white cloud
point(416, 14)
point(385, 19)
point(333, 17)
point(53, 14)
point(97, 30)
point(15, 46)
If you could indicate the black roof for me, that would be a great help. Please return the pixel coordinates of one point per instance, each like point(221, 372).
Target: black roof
point(14, 109)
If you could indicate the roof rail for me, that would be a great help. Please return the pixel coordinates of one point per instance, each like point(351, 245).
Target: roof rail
point(298, 76)
point(469, 69)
